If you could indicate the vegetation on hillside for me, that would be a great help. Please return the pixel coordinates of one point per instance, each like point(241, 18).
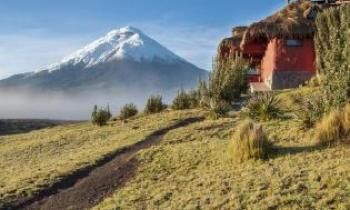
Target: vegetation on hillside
point(100, 116)
point(30, 162)
point(191, 169)
point(263, 106)
point(334, 128)
point(154, 104)
point(186, 100)
point(248, 142)
point(127, 111)
point(227, 81)
point(332, 41)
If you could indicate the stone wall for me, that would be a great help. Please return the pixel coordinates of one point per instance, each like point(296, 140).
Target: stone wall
point(287, 79)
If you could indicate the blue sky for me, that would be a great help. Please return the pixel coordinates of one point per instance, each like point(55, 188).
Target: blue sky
point(36, 33)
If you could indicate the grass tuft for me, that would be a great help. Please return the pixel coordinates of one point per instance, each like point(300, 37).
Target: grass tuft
point(334, 128)
point(248, 142)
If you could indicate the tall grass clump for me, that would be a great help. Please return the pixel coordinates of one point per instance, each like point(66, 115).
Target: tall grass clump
point(100, 116)
point(334, 128)
point(154, 104)
point(263, 106)
point(127, 111)
point(248, 142)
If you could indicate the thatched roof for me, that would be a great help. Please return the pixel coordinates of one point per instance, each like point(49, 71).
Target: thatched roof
point(233, 43)
point(239, 31)
point(294, 21)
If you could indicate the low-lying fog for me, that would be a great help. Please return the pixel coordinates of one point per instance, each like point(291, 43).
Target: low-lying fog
point(35, 105)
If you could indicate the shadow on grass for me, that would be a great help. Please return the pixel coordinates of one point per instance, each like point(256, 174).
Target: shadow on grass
point(277, 151)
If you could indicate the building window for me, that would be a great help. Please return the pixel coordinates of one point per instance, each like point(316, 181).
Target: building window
point(294, 43)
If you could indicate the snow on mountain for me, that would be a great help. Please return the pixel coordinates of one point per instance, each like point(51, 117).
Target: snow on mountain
point(124, 43)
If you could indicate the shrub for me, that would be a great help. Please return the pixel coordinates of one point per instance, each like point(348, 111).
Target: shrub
point(194, 98)
point(248, 142)
point(204, 97)
point(100, 116)
point(263, 106)
point(334, 127)
point(128, 110)
point(332, 44)
point(181, 101)
point(154, 104)
point(218, 109)
point(228, 79)
point(311, 109)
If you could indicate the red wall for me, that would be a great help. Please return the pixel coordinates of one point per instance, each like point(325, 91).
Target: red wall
point(254, 48)
point(280, 57)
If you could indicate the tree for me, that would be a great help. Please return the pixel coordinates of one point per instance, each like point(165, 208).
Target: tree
point(181, 101)
point(100, 116)
point(228, 79)
point(154, 104)
point(127, 111)
point(332, 42)
point(204, 97)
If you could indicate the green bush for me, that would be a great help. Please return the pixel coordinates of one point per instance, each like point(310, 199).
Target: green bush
point(263, 106)
point(154, 104)
point(228, 79)
point(181, 101)
point(204, 97)
point(248, 142)
point(100, 116)
point(127, 111)
point(194, 98)
point(332, 44)
point(311, 109)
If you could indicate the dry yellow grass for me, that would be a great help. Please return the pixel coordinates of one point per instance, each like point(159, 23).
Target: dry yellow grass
point(334, 128)
point(248, 142)
point(346, 119)
point(35, 160)
point(190, 169)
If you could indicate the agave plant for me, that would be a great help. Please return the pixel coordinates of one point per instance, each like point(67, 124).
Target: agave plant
point(263, 106)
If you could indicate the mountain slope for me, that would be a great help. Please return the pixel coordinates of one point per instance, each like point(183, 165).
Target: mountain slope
point(125, 58)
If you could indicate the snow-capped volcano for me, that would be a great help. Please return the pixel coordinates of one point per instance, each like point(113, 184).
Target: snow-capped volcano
point(124, 59)
point(124, 43)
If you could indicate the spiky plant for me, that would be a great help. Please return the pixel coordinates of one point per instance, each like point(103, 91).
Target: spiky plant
point(264, 106)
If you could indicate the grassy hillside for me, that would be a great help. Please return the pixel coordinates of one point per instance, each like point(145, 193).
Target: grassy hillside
point(21, 126)
point(191, 169)
point(35, 160)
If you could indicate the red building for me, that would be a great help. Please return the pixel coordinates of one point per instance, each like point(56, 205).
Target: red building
point(280, 48)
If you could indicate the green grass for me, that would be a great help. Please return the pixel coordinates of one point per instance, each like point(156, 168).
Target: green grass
point(288, 97)
point(191, 169)
point(36, 160)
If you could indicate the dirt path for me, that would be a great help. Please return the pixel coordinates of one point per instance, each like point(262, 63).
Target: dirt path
point(89, 186)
